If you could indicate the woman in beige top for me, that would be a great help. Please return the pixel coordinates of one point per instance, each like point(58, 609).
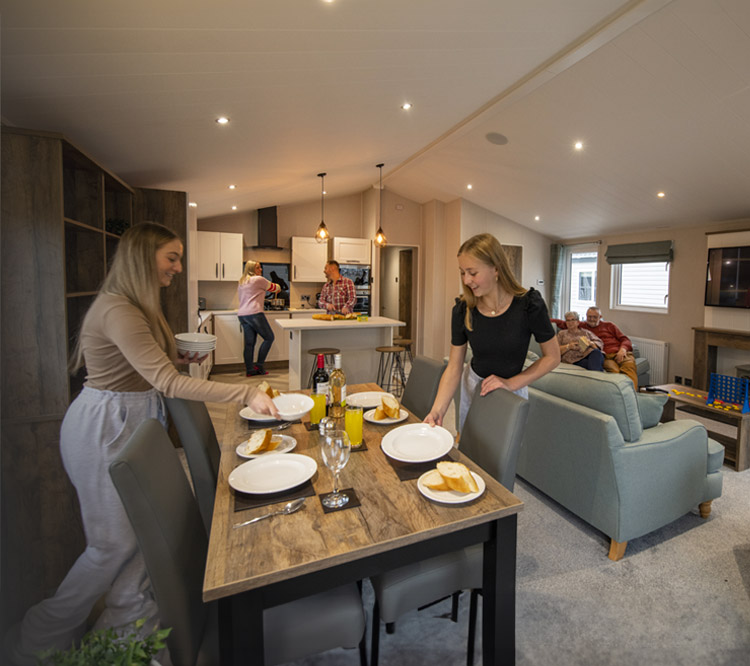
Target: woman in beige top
point(129, 353)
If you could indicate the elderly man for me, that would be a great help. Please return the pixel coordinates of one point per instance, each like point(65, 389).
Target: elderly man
point(618, 350)
point(338, 293)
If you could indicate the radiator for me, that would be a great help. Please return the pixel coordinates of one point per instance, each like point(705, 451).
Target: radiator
point(657, 353)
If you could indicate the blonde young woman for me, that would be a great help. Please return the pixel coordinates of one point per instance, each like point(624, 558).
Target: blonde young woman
point(497, 317)
point(129, 353)
point(251, 291)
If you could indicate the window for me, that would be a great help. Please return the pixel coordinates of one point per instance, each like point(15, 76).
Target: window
point(642, 286)
point(585, 286)
point(581, 279)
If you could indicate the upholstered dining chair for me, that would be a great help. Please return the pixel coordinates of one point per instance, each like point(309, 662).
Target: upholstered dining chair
point(422, 385)
point(492, 437)
point(201, 448)
point(167, 522)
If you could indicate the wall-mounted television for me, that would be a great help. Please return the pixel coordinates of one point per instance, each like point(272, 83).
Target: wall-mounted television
point(728, 277)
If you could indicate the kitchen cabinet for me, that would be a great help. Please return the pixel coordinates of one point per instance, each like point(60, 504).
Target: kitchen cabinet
point(308, 259)
point(230, 341)
point(219, 256)
point(351, 250)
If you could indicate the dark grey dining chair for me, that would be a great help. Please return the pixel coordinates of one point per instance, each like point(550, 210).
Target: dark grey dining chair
point(422, 385)
point(492, 437)
point(201, 448)
point(167, 523)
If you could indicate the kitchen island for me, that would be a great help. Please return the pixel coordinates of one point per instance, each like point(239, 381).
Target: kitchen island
point(356, 340)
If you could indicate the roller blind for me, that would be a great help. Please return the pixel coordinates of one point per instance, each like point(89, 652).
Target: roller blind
point(639, 253)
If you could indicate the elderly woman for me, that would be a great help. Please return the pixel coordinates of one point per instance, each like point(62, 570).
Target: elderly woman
point(579, 346)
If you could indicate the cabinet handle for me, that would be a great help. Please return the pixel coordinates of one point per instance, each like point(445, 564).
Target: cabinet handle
point(222, 270)
point(295, 271)
point(217, 269)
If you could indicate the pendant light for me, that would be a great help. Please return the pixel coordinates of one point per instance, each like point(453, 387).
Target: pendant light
point(380, 239)
point(321, 234)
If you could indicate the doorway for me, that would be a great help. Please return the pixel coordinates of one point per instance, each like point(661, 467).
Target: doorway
point(398, 288)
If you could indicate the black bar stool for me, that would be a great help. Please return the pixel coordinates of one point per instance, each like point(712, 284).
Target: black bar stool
point(328, 352)
point(390, 364)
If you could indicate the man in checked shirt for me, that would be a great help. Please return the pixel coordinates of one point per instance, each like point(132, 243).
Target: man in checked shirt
point(338, 295)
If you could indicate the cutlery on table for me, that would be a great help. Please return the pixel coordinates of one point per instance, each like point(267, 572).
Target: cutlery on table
point(289, 507)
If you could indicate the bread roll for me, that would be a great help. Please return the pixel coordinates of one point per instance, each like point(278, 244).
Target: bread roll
point(435, 481)
point(274, 443)
point(266, 388)
point(379, 414)
point(258, 442)
point(390, 406)
point(458, 477)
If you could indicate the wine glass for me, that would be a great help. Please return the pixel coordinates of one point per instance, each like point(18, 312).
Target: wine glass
point(335, 447)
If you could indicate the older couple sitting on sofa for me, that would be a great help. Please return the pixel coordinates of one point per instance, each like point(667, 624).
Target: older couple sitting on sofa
point(596, 446)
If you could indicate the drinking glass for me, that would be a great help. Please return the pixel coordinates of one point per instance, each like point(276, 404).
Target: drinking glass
point(353, 424)
point(318, 410)
point(335, 448)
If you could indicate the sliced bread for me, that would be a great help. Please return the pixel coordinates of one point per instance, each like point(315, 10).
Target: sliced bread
point(258, 442)
point(379, 414)
point(390, 406)
point(266, 388)
point(457, 476)
point(434, 480)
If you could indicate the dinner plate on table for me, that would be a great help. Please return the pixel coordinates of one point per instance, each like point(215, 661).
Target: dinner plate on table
point(450, 496)
point(367, 399)
point(287, 444)
point(417, 442)
point(370, 416)
point(272, 473)
point(250, 415)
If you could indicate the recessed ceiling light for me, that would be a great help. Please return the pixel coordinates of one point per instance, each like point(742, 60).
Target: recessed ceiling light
point(496, 138)
point(578, 145)
point(469, 186)
point(192, 204)
point(661, 195)
point(537, 218)
point(234, 207)
point(222, 120)
point(406, 106)
point(232, 187)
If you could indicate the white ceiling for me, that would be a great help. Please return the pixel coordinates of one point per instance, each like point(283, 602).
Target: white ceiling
point(658, 91)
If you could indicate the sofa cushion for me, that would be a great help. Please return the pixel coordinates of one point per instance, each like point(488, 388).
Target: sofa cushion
point(715, 456)
point(611, 394)
point(650, 408)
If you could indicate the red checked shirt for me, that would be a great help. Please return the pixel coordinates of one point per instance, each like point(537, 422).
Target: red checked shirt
point(340, 294)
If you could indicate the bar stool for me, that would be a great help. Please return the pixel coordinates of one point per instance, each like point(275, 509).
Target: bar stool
point(390, 363)
point(406, 344)
point(328, 352)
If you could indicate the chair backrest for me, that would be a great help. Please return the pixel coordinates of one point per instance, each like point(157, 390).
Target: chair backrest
point(156, 494)
point(201, 450)
point(493, 433)
point(422, 385)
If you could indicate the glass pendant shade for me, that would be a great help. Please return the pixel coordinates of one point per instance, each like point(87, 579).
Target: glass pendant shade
point(321, 234)
point(380, 239)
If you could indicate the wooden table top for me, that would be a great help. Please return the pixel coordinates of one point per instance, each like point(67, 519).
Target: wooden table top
point(392, 514)
point(697, 398)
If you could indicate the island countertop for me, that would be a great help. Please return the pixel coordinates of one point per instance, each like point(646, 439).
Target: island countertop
point(307, 324)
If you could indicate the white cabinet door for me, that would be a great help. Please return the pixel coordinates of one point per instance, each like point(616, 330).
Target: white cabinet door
point(308, 259)
point(231, 256)
point(351, 250)
point(280, 349)
point(208, 255)
point(229, 339)
point(219, 256)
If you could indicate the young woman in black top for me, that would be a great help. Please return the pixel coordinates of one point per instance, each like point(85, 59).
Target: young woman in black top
point(497, 317)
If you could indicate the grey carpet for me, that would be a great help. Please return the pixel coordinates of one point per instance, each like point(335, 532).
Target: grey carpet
point(680, 596)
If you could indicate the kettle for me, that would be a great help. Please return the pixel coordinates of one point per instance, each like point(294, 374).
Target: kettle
point(201, 303)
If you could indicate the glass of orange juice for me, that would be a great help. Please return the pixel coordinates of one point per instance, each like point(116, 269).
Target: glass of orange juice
point(318, 410)
point(353, 424)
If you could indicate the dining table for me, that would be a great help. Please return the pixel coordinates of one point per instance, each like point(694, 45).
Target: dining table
point(387, 524)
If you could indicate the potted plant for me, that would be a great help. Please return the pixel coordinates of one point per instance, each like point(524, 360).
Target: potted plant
point(108, 648)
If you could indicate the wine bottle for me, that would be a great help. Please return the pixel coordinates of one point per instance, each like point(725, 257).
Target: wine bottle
point(337, 384)
point(320, 378)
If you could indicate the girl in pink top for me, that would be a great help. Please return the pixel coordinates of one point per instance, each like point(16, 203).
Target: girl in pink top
point(252, 290)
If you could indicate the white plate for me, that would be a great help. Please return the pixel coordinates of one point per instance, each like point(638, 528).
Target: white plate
point(293, 406)
point(272, 473)
point(450, 496)
point(417, 442)
point(196, 338)
point(287, 444)
point(250, 415)
point(367, 399)
point(370, 416)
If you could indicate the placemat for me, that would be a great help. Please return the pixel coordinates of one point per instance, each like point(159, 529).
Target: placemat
point(361, 447)
point(243, 501)
point(409, 471)
point(349, 492)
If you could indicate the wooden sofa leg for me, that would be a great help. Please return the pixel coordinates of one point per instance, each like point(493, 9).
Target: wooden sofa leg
point(617, 550)
point(705, 509)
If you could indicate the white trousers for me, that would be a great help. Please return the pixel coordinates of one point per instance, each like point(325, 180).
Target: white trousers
point(469, 382)
point(95, 429)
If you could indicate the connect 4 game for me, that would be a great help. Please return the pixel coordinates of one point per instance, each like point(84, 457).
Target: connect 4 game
point(728, 393)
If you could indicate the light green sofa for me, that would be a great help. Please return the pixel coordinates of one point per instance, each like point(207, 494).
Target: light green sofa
point(596, 446)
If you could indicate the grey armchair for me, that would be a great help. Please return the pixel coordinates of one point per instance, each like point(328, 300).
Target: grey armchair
point(492, 437)
point(167, 523)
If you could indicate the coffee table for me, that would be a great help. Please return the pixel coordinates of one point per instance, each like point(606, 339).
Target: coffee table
point(693, 401)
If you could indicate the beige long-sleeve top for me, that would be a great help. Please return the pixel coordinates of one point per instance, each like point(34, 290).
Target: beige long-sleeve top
point(121, 354)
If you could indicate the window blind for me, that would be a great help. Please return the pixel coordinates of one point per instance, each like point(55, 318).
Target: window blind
point(640, 253)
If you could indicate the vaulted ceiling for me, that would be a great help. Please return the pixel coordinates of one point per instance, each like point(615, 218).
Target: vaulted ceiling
point(657, 91)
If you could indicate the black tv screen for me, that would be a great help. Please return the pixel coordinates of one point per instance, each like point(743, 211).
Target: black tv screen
point(728, 277)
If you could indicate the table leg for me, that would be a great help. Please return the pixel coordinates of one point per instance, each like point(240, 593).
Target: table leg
point(499, 594)
point(242, 643)
point(743, 443)
point(667, 413)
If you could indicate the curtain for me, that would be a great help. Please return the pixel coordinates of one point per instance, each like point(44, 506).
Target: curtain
point(558, 261)
point(640, 253)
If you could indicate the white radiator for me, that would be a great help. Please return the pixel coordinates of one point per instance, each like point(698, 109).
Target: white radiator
point(657, 353)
